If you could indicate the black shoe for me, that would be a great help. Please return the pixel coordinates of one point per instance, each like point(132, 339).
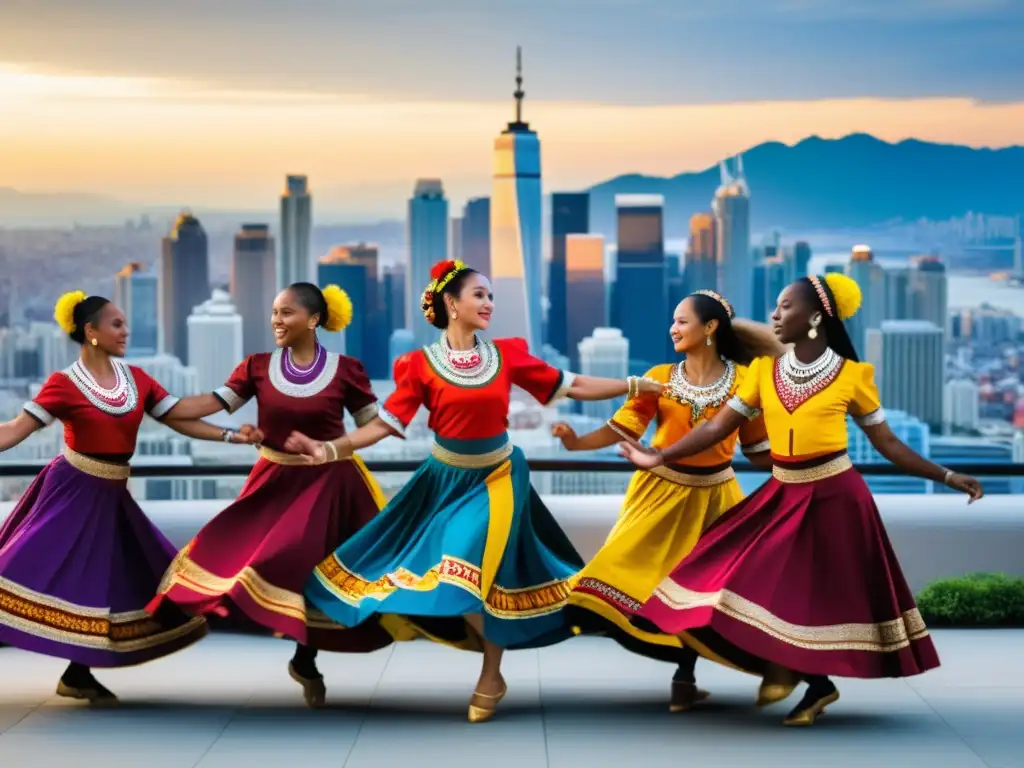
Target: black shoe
point(312, 682)
point(79, 683)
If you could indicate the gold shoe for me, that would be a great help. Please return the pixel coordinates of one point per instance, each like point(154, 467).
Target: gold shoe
point(778, 684)
point(482, 714)
point(806, 716)
point(94, 694)
point(685, 695)
point(313, 689)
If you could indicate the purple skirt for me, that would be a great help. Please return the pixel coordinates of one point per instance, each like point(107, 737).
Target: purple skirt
point(79, 561)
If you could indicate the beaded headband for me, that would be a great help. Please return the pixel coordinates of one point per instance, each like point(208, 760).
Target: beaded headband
point(717, 297)
point(822, 294)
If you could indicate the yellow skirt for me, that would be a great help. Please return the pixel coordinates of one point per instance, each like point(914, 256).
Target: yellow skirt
point(660, 523)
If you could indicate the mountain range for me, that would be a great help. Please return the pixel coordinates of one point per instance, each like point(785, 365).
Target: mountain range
point(816, 184)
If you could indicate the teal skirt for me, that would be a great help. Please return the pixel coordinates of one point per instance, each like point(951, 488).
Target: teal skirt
point(466, 535)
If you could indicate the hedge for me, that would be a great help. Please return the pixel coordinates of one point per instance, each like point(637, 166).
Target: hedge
point(974, 600)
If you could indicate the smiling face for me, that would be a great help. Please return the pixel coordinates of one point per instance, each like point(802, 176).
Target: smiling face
point(474, 304)
point(110, 329)
point(290, 320)
point(688, 332)
point(792, 317)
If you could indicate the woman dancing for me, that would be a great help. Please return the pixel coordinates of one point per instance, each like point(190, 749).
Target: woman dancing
point(256, 554)
point(467, 536)
point(667, 508)
point(78, 559)
point(801, 572)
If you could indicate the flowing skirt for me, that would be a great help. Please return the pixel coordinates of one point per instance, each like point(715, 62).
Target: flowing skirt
point(467, 535)
point(801, 573)
point(78, 562)
point(663, 515)
point(256, 554)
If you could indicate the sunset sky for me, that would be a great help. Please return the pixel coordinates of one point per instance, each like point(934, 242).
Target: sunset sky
point(213, 103)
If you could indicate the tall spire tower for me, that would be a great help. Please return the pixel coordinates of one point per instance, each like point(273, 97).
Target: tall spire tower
point(516, 226)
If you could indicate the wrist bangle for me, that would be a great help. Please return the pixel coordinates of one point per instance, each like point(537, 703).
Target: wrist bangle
point(947, 476)
point(632, 387)
point(227, 434)
point(329, 448)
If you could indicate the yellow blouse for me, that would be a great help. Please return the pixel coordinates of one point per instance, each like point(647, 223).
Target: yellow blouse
point(818, 424)
point(674, 421)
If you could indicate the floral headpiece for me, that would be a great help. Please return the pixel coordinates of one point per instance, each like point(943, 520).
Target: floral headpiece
point(441, 274)
point(717, 297)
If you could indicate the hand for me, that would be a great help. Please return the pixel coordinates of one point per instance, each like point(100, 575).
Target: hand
point(312, 451)
point(566, 434)
point(248, 435)
point(647, 386)
point(644, 458)
point(966, 484)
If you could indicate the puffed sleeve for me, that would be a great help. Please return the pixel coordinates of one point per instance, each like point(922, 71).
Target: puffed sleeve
point(240, 387)
point(359, 398)
point(545, 383)
point(157, 402)
point(51, 402)
point(635, 415)
point(865, 405)
point(747, 398)
point(401, 406)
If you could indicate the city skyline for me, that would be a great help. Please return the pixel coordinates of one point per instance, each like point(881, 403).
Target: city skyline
point(96, 117)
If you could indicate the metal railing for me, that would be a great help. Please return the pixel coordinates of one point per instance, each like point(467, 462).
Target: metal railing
point(978, 469)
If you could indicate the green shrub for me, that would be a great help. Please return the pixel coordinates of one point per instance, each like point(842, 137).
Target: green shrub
point(974, 600)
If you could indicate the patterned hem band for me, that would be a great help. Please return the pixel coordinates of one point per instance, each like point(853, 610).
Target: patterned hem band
point(877, 416)
point(759, 447)
point(830, 468)
point(747, 411)
point(162, 408)
point(366, 414)
point(471, 461)
point(694, 480)
point(226, 395)
point(101, 469)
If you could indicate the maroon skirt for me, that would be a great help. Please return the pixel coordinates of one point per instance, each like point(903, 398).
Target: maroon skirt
point(256, 554)
point(800, 573)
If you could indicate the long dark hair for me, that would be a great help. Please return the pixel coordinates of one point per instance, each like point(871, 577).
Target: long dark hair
point(454, 288)
point(737, 340)
point(312, 300)
point(836, 335)
point(86, 311)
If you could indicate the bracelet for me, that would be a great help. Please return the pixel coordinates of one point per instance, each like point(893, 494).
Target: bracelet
point(632, 387)
point(329, 446)
point(947, 476)
point(227, 435)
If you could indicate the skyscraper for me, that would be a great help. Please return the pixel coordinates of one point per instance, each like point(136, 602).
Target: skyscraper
point(254, 286)
point(604, 353)
point(214, 340)
point(584, 292)
point(928, 291)
point(476, 234)
point(700, 269)
point(137, 293)
point(456, 238)
point(428, 243)
point(897, 294)
point(184, 281)
point(735, 260)
point(909, 359)
point(294, 264)
point(393, 297)
point(871, 278)
point(801, 259)
point(570, 215)
point(516, 227)
point(640, 307)
point(373, 337)
point(351, 277)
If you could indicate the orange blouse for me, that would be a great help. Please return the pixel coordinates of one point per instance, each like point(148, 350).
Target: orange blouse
point(675, 417)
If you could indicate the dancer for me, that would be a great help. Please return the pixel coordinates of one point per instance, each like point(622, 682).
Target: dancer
point(256, 554)
point(667, 508)
point(78, 558)
point(467, 540)
point(801, 572)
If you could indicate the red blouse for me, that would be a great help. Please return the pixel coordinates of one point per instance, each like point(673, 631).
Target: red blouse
point(100, 422)
point(469, 407)
point(315, 408)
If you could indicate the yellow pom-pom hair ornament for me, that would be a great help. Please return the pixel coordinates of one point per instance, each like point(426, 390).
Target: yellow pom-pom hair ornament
point(64, 310)
point(845, 294)
point(339, 309)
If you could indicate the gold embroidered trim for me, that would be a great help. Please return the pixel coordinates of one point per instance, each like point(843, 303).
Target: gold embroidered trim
point(102, 469)
point(883, 637)
point(694, 481)
point(522, 603)
point(829, 469)
point(471, 461)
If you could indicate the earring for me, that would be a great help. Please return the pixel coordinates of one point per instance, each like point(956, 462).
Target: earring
point(707, 341)
point(455, 315)
point(813, 333)
point(94, 342)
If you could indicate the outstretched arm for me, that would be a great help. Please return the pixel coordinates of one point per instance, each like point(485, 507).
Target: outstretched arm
point(596, 388)
point(201, 430)
point(16, 430)
point(592, 441)
point(900, 454)
point(317, 452)
point(709, 433)
point(193, 407)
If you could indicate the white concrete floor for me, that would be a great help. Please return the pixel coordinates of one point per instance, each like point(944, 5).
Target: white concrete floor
point(229, 702)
